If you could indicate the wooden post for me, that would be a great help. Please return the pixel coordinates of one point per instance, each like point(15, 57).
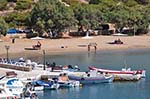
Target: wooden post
point(44, 59)
point(95, 47)
point(88, 47)
point(7, 48)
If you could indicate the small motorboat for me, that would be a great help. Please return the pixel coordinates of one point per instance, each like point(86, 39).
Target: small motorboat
point(66, 68)
point(64, 81)
point(13, 88)
point(39, 85)
point(91, 77)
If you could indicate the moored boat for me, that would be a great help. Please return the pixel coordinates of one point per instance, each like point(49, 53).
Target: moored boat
point(59, 68)
point(64, 81)
point(91, 77)
point(39, 85)
point(126, 77)
point(13, 88)
point(122, 75)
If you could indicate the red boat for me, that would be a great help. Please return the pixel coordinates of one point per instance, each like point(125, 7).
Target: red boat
point(123, 71)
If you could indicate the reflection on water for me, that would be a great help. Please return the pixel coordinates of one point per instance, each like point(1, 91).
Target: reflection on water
point(116, 90)
point(74, 93)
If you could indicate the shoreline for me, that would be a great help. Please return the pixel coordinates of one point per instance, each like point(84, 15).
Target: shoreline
point(72, 45)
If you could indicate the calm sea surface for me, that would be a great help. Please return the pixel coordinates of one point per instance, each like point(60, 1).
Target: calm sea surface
point(136, 59)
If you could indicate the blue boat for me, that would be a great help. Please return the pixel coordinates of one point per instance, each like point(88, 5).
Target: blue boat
point(91, 77)
point(42, 85)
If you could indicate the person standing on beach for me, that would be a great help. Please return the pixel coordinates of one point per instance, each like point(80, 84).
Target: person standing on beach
point(13, 40)
point(39, 44)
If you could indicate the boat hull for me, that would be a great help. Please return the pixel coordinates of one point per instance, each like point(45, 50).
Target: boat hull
point(41, 85)
point(122, 75)
point(65, 84)
point(141, 73)
point(91, 80)
point(126, 77)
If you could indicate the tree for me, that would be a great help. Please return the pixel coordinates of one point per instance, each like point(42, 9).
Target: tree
point(52, 15)
point(40, 26)
point(3, 4)
point(118, 15)
point(131, 3)
point(3, 27)
point(94, 1)
point(16, 19)
point(125, 14)
point(144, 22)
point(62, 17)
point(87, 15)
point(143, 2)
point(23, 4)
point(71, 2)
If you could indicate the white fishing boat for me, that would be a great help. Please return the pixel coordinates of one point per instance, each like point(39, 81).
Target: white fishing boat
point(15, 88)
point(91, 77)
point(124, 74)
point(126, 77)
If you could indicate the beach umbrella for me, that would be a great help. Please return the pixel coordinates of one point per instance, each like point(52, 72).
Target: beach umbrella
point(87, 35)
point(37, 38)
point(120, 34)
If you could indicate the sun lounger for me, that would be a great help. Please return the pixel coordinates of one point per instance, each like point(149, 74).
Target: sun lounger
point(116, 42)
point(31, 48)
point(35, 47)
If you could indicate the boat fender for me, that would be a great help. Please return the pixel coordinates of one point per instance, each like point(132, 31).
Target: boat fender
point(7, 97)
point(15, 97)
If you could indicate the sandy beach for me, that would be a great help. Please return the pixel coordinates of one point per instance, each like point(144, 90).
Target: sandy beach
point(54, 46)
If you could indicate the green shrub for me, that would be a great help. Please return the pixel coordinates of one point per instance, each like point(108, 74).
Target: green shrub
point(3, 4)
point(22, 5)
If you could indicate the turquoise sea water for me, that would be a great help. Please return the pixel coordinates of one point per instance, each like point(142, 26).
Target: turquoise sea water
point(136, 59)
